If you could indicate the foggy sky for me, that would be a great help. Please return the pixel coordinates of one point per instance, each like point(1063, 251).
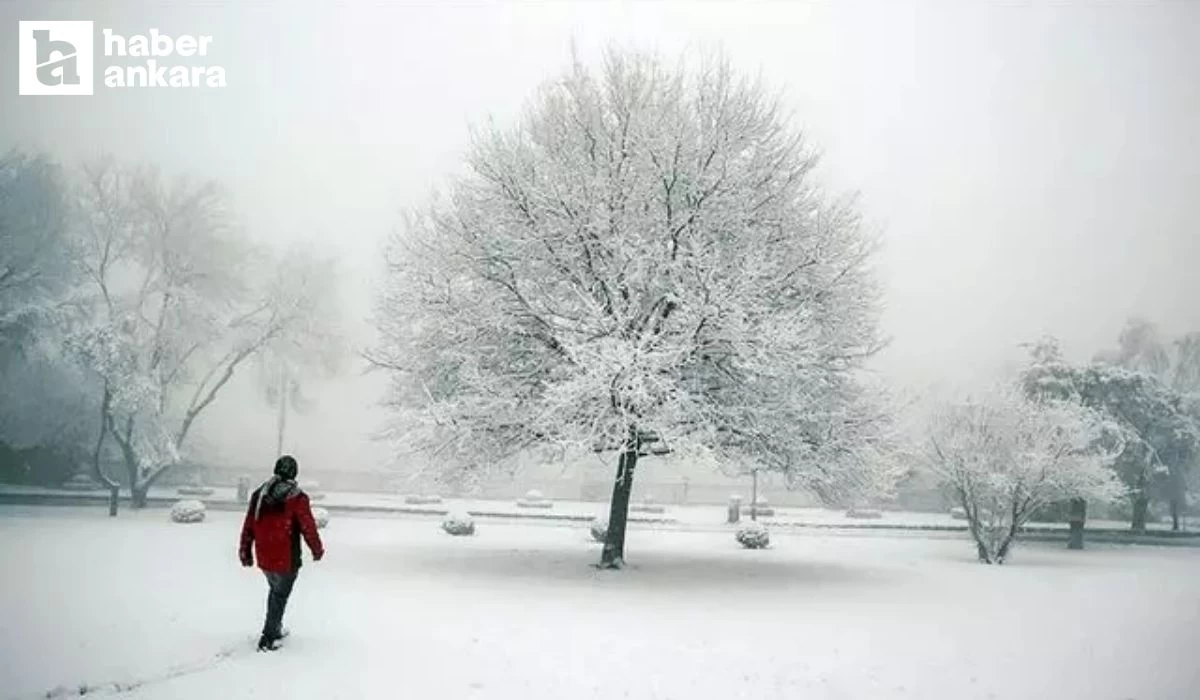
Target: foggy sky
point(1031, 168)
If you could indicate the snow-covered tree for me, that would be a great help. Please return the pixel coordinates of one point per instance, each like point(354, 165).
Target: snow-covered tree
point(644, 255)
point(1160, 434)
point(314, 346)
point(35, 222)
point(181, 303)
point(44, 404)
point(1002, 456)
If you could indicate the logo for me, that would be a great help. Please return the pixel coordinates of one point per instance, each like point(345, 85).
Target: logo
point(54, 58)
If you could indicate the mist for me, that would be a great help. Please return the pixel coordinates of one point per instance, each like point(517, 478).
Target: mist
point(1029, 169)
point(501, 297)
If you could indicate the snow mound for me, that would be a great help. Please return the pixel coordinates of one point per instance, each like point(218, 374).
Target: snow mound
point(188, 511)
point(459, 524)
point(599, 529)
point(535, 499)
point(753, 536)
point(321, 516)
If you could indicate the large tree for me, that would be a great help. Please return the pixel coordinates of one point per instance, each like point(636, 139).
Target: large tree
point(644, 255)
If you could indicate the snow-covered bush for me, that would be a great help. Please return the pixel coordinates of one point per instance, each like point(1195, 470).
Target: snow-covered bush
point(753, 535)
point(535, 499)
point(958, 513)
point(1005, 456)
point(459, 524)
point(188, 511)
point(599, 529)
point(321, 516)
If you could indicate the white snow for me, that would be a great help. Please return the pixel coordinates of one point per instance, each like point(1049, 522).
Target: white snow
point(753, 535)
point(459, 524)
point(188, 511)
point(518, 612)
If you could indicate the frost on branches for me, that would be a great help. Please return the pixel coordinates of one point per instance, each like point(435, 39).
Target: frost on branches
point(176, 308)
point(1003, 456)
point(645, 252)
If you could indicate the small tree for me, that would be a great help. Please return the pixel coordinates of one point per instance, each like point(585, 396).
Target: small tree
point(1003, 456)
point(645, 253)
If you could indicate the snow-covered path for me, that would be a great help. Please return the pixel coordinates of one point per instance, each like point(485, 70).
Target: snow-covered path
point(399, 609)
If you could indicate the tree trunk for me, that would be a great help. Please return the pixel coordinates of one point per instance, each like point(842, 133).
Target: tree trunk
point(613, 556)
point(1175, 513)
point(1078, 517)
point(281, 422)
point(138, 494)
point(1141, 504)
point(114, 487)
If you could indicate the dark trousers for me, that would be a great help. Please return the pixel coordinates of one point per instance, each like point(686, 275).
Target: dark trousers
point(280, 588)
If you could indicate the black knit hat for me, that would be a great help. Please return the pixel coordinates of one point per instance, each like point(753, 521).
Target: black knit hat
point(286, 467)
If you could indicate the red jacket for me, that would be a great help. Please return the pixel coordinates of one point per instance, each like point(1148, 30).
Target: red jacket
point(279, 514)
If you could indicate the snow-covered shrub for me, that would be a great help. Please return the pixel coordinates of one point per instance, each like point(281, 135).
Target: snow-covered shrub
point(459, 524)
point(420, 500)
point(958, 513)
point(753, 535)
point(82, 482)
point(535, 499)
point(599, 529)
point(321, 516)
point(188, 511)
point(1012, 455)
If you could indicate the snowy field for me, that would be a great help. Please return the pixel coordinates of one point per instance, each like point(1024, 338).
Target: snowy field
point(400, 610)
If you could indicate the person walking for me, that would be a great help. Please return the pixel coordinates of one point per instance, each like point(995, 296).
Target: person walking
point(278, 516)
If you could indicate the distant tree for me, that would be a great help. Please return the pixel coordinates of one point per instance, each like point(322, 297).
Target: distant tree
point(645, 255)
point(315, 348)
point(180, 305)
point(1002, 456)
point(1142, 348)
point(35, 237)
point(1161, 438)
point(43, 400)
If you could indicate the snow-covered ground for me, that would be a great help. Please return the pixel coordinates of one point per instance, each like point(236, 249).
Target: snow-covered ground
point(400, 610)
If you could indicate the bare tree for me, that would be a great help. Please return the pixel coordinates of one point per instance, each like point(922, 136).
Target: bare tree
point(645, 255)
point(177, 309)
point(314, 347)
point(1002, 456)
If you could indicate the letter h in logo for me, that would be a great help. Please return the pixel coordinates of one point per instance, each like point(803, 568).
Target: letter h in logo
point(55, 58)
